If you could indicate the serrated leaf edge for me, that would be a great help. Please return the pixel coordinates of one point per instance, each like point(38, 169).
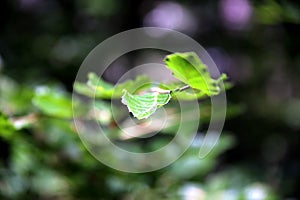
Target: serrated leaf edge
point(152, 109)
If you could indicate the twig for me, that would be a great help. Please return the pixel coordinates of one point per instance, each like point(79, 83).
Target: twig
point(162, 91)
point(181, 89)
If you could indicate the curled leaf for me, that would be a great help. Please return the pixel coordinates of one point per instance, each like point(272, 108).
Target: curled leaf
point(142, 106)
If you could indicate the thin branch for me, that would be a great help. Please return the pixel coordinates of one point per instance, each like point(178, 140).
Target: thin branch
point(181, 89)
point(162, 91)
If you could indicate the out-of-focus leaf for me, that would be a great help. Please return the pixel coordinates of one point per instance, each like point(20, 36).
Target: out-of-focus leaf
point(15, 99)
point(142, 106)
point(49, 182)
point(83, 89)
point(189, 165)
point(291, 13)
point(101, 87)
point(6, 128)
point(269, 13)
point(232, 110)
point(24, 156)
point(188, 68)
point(53, 102)
point(99, 8)
point(96, 87)
point(237, 183)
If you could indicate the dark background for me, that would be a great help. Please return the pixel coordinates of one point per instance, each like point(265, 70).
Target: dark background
point(255, 42)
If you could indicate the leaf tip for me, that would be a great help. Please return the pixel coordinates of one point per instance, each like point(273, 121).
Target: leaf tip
point(123, 98)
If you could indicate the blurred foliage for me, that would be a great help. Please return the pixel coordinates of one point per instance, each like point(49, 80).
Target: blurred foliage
point(47, 159)
point(96, 87)
point(271, 12)
point(53, 102)
point(5, 126)
point(42, 44)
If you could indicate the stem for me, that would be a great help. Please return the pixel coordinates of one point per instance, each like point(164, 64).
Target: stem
point(181, 89)
point(161, 91)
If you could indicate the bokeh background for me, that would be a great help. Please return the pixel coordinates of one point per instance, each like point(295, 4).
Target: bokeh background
point(42, 44)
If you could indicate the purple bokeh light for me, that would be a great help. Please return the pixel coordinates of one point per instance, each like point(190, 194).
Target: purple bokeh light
point(171, 15)
point(28, 3)
point(236, 14)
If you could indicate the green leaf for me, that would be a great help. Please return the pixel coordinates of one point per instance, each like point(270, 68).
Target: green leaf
point(84, 89)
point(15, 99)
point(142, 106)
point(96, 87)
point(102, 88)
point(189, 94)
point(53, 102)
point(188, 68)
point(141, 82)
point(6, 127)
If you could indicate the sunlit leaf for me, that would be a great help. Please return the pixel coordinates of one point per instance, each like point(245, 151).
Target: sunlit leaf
point(100, 85)
point(96, 87)
point(132, 86)
point(189, 94)
point(188, 68)
point(53, 102)
point(142, 106)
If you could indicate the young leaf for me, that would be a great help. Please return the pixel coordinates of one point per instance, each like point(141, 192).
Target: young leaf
point(188, 68)
point(142, 106)
point(53, 102)
point(96, 87)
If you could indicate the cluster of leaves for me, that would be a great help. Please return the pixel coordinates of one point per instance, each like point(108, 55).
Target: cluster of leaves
point(38, 128)
point(98, 88)
point(186, 67)
point(38, 157)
